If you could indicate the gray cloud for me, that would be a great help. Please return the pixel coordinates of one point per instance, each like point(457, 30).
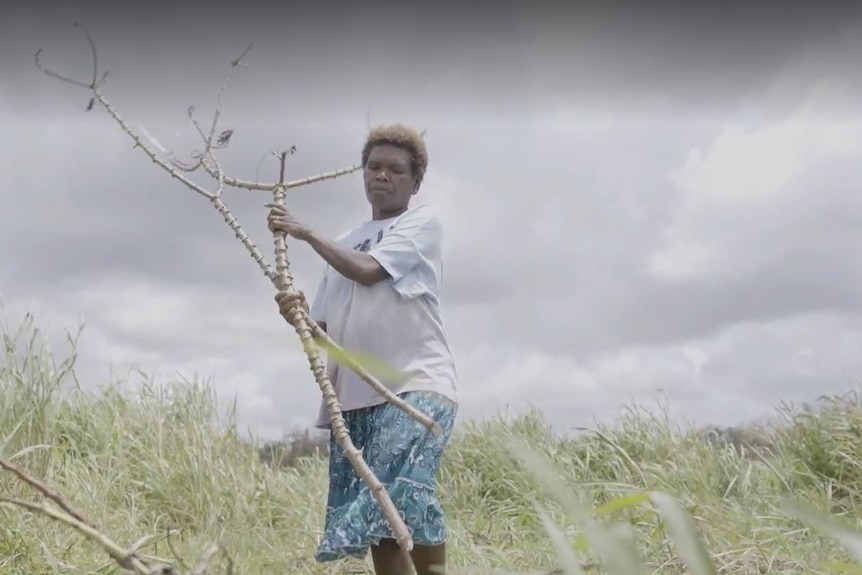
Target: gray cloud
point(686, 59)
point(672, 58)
point(641, 207)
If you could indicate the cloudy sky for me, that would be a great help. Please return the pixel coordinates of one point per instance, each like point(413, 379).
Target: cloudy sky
point(638, 205)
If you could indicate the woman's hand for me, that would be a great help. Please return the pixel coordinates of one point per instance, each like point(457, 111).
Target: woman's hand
point(288, 302)
point(280, 220)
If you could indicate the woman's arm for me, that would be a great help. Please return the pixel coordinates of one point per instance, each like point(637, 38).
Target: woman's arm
point(352, 264)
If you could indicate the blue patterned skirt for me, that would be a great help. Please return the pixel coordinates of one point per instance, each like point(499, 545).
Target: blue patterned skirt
point(405, 457)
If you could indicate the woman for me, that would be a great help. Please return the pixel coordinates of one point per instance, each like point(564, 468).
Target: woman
point(380, 295)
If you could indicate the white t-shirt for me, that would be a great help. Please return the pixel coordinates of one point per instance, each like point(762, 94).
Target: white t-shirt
point(397, 320)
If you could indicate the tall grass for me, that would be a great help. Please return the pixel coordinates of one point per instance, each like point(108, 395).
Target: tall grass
point(636, 497)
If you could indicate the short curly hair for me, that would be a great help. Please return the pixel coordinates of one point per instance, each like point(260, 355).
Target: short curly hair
point(403, 137)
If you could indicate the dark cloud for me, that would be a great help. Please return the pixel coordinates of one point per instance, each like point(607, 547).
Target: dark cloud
point(674, 57)
point(669, 58)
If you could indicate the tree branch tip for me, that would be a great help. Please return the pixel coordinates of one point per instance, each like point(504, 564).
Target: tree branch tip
point(84, 29)
point(236, 61)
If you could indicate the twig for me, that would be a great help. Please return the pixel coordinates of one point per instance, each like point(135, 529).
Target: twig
point(259, 187)
point(44, 490)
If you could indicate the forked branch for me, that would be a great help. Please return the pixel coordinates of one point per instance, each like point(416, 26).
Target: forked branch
point(297, 317)
point(308, 331)
point(207, 160)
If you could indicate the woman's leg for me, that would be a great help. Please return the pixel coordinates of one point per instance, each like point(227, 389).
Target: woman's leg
point(406, 457)
point(389, 560)
point(345, 532)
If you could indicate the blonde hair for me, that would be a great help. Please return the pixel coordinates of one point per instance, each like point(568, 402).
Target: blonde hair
point(403, 137)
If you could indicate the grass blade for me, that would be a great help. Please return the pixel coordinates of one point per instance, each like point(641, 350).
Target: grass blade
point(690, 547)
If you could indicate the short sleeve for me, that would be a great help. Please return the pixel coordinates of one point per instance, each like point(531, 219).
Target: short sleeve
point(415, 239)
point(317, 310)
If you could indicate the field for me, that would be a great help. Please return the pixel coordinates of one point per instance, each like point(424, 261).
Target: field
point(166, 457)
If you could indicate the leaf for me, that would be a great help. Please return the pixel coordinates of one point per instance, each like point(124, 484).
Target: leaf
point(614, 545)
point(28, 450)
point(621, 503)
point(690, 547)
point(805, 513)
point(387, 374)
point(568, 562)
point(50, 559)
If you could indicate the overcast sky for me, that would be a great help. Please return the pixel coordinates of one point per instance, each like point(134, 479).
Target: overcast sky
point(637, 205)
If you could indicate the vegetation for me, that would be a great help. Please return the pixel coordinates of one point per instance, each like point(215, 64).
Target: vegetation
point(153, 458)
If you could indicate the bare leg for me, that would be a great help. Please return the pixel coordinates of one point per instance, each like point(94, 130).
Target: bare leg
point(388, 559)
point(429, 560)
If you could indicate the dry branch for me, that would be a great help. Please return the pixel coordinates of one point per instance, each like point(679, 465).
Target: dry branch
point(57, 508)
point(309, 331)
point(44, 490)
point(207, 160)
point(298, 318)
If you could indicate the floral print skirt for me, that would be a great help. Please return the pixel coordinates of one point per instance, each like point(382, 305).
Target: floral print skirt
point(405, 457)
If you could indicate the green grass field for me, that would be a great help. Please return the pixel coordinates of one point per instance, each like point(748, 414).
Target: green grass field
point(519, 498)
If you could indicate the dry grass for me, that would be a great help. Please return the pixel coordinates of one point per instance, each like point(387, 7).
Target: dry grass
point(166, 457)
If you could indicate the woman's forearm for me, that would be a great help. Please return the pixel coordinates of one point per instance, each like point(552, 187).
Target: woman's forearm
point(352, 264)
